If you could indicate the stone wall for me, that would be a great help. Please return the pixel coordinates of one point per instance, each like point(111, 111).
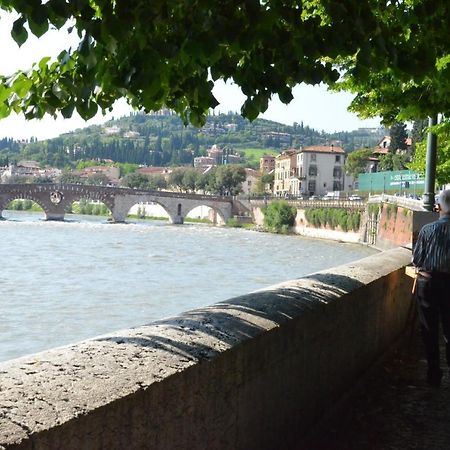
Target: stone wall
point(304, 229)
point(254, 372)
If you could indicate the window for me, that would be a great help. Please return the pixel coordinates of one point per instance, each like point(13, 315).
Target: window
point(336, 185)
point(312, 186)
point(313, 157)
point(337, 172)
point(338, 158)
point(312, 171)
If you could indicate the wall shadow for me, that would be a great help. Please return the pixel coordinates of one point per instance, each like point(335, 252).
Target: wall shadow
point(239, 319)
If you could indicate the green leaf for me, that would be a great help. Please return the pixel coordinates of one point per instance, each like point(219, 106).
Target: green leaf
point(18, 32)
point(21, 85)
point(249, 110)
point(38, 28)
point(87, 109)
point(285, 95)
point(5, 111)
point(43, 63)
point(67, 111)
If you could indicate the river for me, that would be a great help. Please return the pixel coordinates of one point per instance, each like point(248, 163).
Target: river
point(62, 282)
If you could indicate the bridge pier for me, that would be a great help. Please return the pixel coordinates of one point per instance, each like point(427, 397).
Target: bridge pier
point(177, 220)
point(54, 216)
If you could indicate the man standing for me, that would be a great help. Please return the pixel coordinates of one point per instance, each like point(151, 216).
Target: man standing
point(431, 257)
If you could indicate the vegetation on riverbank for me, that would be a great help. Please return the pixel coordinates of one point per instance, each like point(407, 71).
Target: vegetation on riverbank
point(87, 208)
point(333, 217)
point(279, 216)
point(23, 205)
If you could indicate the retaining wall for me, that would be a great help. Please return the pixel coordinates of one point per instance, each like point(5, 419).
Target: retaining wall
point(253, 372)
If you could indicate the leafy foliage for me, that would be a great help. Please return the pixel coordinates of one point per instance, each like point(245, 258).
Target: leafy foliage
point(392, 161)
point(418, 132)
point(279, 216)
point(356, 162)
point(398, 135)
point(23, 205)
point(333, 218)
point(442, 131)
point(222, 180)
point(394, 55)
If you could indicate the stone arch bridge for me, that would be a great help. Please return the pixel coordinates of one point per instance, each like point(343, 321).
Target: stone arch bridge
point(56, 199)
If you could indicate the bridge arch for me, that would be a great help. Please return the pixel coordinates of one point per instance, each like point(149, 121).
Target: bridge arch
point(88, 206)
point(205, 211)
point(147, 209)
point(6, 199)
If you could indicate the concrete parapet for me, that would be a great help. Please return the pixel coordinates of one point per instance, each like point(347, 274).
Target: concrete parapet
point(253, 372)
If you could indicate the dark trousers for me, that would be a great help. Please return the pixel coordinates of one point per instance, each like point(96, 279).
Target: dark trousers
point(433, 299)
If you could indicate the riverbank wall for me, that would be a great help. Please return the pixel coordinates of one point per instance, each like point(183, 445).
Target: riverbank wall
point(256, 371)
point(386, 222)
point(301, 227)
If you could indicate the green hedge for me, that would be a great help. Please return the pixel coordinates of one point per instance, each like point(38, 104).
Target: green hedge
point(333, 217)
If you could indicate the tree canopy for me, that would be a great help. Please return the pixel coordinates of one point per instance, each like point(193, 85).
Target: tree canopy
point(357, 162)
point(393, 54)
point(398, 135)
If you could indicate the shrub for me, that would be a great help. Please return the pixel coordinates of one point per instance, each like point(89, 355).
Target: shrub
point(234, 223)
point(279, 216)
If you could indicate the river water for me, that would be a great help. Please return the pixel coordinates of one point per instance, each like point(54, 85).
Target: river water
point(61, 282)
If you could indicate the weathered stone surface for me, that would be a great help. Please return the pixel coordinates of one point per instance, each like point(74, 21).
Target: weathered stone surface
point(251, 372)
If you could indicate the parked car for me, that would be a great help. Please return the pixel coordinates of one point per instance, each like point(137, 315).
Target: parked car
point(354, 198)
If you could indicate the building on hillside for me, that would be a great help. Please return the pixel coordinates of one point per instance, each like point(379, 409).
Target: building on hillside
point(29, 169)
point(267, 163)
point(230, 158)
point(203, 161)
point(320, 169)
point(131, 134)
point(231, 126)
point(249, 184)
point(285, 169)
point(154, 170)
point(277, 138)
point(384, 144)
point(217, 156)
point(312, 170)
point(216, 153)
point(26, 168)
point(112, 130)
point(110, 172)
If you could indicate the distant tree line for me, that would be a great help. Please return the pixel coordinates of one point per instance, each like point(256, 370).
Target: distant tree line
point(220, 180)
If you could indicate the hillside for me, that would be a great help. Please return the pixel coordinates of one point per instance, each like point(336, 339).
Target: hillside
point(161, 139)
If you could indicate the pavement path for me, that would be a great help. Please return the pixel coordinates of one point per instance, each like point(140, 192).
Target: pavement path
point(392, 408)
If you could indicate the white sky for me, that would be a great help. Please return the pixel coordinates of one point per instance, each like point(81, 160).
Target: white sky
point(312, 104)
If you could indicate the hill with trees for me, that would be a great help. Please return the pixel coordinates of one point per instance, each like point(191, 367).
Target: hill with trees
point(161, 139)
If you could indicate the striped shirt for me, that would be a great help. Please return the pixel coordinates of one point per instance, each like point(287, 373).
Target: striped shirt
point(432, 250)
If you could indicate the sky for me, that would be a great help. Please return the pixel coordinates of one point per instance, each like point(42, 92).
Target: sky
point(312, 105)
